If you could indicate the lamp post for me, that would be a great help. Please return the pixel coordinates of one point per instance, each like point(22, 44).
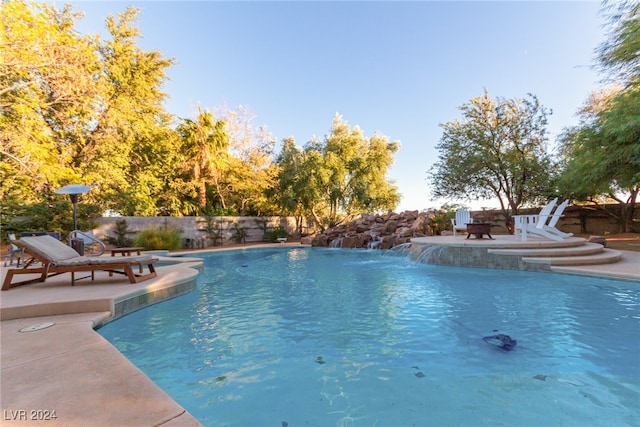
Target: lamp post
point(73, 190)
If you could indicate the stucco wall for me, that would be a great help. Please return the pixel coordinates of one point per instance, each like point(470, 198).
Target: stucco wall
point(194, 227)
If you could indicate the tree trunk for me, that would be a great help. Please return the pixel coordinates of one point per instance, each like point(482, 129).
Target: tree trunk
point(202, 194)
point(628, 209)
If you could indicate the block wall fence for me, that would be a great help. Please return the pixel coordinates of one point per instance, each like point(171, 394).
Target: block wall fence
point(194, 227)
point(577, 220)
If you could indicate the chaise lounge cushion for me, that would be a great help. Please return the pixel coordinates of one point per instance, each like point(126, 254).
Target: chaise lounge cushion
point(83, 260)
point(59, 254)
point(48, 248)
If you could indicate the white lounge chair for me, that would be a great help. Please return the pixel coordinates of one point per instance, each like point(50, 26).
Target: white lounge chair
point(524, 224)
point(463, 217)
point(536, 225)
point(551, 226)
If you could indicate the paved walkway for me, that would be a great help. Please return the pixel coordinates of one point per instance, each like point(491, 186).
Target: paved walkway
point(70, 371)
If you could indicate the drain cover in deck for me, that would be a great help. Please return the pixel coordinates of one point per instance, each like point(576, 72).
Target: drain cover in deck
point(37, 327)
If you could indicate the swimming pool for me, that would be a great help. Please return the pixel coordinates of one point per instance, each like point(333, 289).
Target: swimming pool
point(338, 337)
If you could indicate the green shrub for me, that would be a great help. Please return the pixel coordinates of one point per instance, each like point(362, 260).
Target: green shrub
point(213, 227)
point(121, 231)
point(167, 237)
point(54, 215)
point(239, 233)
point(275, 233)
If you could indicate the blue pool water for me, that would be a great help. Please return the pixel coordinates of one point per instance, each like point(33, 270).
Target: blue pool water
point(334, 337)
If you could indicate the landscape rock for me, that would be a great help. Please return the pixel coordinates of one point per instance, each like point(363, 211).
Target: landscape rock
point(379, 231)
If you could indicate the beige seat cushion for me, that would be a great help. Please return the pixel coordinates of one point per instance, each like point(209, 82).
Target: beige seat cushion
point(106, 261)
point(47, 247)
point(61, 255)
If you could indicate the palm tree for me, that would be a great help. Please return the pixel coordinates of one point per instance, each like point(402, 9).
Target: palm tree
point(205, 145)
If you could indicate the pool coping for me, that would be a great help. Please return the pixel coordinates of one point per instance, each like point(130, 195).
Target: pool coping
point(100, 384)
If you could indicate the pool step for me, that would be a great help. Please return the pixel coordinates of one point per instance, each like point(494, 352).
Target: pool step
point(580, 254)
point(584, 249)
point(605, 256)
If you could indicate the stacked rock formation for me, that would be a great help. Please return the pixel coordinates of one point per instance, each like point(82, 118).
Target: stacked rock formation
point(377, 231)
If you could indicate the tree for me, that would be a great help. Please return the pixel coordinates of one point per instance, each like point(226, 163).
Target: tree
point(338, 177)
point(251, 171)
point(353, 172)
point(129, 154)
point(76, 109)
point(47, 97)
point(619, 54)
point(205, 144)
point(497, 150)
point(295, 192)
point(601, 156)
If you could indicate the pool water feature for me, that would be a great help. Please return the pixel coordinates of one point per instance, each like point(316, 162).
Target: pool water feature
point(338, 337)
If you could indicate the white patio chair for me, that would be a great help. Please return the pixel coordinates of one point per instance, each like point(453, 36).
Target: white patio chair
point(463, 217)
point(551, 226)
point(534, 224)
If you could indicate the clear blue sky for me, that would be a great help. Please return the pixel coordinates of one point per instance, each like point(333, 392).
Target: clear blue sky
point(400, 68)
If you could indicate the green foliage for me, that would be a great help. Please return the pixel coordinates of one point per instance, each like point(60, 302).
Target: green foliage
point(46, 98)
point(275, 233)
point(497, 150)
point(204, 152)
point(121, 231)
point(338, 177)
point(218, 211)
point(250, 171)
point(441, 221)
point(619, 54)
point(601, 156)
point(166, 237)
point(82, 108)
point(55, 215)
point(78, 108)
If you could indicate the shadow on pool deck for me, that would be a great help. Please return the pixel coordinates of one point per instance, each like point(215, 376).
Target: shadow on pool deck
point(71, 370)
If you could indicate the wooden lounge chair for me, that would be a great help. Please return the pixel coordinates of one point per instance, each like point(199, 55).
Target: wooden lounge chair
point(58, 258)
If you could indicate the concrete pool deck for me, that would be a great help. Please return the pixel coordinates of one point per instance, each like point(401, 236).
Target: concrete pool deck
point(70, 369)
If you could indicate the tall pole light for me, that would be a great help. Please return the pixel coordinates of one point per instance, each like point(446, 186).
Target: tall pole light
point(73, 190)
